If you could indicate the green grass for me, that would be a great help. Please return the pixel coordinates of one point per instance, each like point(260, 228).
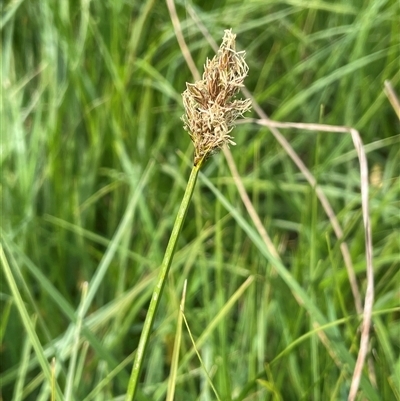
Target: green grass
point(94, 163)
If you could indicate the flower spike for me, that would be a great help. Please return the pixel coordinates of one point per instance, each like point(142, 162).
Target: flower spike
point(210, 107)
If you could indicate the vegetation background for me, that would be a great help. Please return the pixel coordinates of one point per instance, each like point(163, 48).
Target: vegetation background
point(94, 163)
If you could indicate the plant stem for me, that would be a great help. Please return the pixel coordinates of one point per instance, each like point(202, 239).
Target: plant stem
point(156, 297)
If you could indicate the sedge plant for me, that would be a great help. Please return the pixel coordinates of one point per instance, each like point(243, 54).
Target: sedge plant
point(210, 113)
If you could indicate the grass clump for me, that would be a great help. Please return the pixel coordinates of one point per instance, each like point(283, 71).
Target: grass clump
point(92, 181)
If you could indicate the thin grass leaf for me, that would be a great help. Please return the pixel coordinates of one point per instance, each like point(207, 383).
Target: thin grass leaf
point(29, 325)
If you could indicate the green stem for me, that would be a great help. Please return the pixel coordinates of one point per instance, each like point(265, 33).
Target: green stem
point(156, 297)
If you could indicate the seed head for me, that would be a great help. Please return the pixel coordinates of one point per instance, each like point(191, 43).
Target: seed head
point(210, 106)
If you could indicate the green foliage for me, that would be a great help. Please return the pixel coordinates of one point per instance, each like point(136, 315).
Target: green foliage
point(94, 163)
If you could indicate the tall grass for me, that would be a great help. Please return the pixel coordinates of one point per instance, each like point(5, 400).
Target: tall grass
point(94, 165)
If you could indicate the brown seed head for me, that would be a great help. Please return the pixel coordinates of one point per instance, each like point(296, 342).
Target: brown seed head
point(210, 110)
